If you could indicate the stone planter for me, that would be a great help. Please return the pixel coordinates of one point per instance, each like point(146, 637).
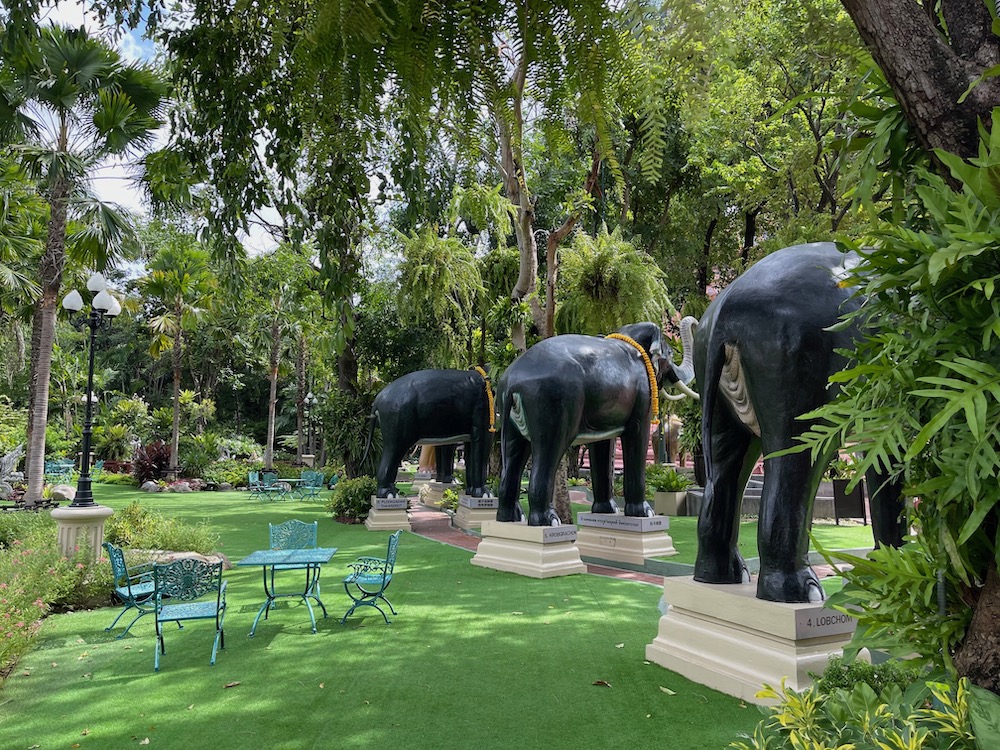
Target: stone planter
point(670, 503)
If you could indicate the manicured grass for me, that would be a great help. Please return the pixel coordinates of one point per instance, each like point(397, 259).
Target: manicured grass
point(476, 658)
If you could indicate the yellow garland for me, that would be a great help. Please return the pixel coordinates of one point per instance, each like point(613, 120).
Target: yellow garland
point(489, 397)
point(653, 390)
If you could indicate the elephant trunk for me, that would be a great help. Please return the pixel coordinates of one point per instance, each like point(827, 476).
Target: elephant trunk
point(683, 373)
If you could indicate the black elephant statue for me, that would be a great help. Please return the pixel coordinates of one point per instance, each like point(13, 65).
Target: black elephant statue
point(573, 390)
point(442, 408)
point(763, 354)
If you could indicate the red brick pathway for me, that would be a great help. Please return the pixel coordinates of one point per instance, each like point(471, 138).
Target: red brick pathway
point(436, 525)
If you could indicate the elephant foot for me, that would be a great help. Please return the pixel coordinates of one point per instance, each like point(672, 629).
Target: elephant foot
point(798, 586)
point(479, 492)
point(512, 514)
point(723, 568)
point(384, 492)
point(644, 510)
point(604, 506)
point(548, 517)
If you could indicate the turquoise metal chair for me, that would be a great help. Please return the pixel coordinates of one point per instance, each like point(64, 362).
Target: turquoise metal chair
point(196, 592)
point(294, 534)
point(263, 486)
point(312, 484)
point(371, 577)
point(133, 586)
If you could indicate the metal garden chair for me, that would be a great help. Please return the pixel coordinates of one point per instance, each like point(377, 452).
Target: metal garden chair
point(133, 586)
point(371, 577)
point(197, 592)
point(312, 484)
point(294, 534)
point(263, 485)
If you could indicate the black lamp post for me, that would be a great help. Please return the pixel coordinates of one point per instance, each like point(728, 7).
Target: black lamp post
point(103, 308)
point(310, 403)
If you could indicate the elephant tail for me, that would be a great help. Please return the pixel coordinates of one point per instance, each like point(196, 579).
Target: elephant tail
point(372, 421)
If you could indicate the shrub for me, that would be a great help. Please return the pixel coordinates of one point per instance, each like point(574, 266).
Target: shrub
point(113, 442)
point(232, 471)
point(151, 462)
point(841, 674)
point(351, 499)
point(861, 718)
point(118, 479)
point(141, 528)
point(449, 500)
point(662, 478)
point(196, 452)
point(241, 447)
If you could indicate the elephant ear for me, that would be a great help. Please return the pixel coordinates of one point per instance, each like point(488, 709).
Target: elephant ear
point(647, 335)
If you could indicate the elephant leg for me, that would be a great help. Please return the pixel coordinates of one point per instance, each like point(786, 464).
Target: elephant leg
point(728, 459)
point(790, 484)
point(388, 466)
point(635, 441)
point(885, 500)
point(545, 455)
point(445, 463)
point(514, 457)
point(601, 476)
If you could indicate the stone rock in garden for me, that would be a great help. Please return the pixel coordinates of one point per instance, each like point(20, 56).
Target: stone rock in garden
point(5, 491)
point(180, 487)
point(63, 492)
point(150, 486)
point(225, 486)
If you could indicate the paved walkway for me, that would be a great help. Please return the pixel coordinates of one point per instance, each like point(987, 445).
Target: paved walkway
point(436, 524)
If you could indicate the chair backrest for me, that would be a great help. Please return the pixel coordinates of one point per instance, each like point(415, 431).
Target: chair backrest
point(118, 567)
point(254, 478)
point(312, 478)
point(187, 579)
point(390, 555)
point(268, 478)
point(293, 534)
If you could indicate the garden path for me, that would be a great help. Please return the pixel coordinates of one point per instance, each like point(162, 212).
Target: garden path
point(435, 524)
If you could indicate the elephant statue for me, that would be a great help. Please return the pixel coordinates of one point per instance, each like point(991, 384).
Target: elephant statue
point(573, 389)
point(763, 354)
point(435, 407)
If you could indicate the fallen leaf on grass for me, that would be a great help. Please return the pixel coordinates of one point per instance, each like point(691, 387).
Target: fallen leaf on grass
point(602, 683)
point(144, 742)
point(322, 685)
point(54, 664)
point(619, 645)
point(26, 673)
point(190, 707)
point(517, 613)
point(33, 747)
point(668, 691)
point(230, 684)
point(85, 732)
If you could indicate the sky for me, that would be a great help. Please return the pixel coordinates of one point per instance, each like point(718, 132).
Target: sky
point(112, 183)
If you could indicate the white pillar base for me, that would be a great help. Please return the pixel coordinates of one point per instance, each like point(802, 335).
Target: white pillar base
point(532, 551)
point(620, 538)
point(388, 514)
point(724, 637)
point(79, 528)
point(473, 512)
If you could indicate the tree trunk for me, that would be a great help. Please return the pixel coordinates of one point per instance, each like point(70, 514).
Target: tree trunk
point(978, 658)
point(176, 354)
point(706, 255)
point(272, 398)
point(43, 334)
point(560, 497)
point(300, 397)
point(928, 72)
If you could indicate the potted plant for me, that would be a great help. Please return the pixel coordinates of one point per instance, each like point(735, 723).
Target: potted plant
point(668, 488)
point(846, 504)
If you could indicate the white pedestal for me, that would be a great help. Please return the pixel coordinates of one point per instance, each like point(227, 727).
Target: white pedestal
point(474, 511)
point(631, 539)
point(388, 514)
point(670, 503)
point(724, 637)
point(533, 551)
point(81, 528)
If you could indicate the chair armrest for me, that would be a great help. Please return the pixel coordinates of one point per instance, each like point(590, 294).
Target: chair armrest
point(366, 564)
point(375, 560)
point(222, 593)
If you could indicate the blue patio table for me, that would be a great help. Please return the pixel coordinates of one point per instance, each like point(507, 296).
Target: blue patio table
point(273, 559)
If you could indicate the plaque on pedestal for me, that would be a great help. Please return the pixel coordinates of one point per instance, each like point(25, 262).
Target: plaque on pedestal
point(533, 551)
point(474, 511)
point(724, 637)
point(620, 538)
point(388, 514)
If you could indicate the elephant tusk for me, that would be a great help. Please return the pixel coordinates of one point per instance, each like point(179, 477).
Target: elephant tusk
point(686, 390)
point(673, 397)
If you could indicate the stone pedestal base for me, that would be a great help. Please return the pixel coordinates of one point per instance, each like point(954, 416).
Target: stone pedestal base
point(388, 514)
point(533, 551)
point(474, 511)
point(612, 536)
point(435, 491)
point(724, 637)
point(670, 503)
point(80, 528)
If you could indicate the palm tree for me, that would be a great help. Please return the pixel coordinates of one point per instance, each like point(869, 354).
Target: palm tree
point(71, 103)
point(180, 283)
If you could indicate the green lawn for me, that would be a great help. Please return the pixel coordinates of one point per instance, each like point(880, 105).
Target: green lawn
point(476, 658)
